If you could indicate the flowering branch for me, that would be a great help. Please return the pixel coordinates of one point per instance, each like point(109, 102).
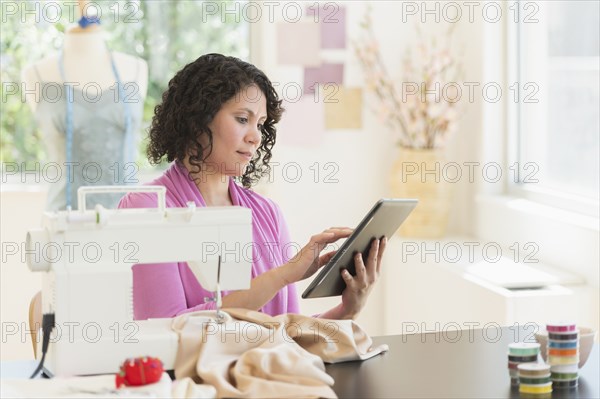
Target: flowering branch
point(423, 122)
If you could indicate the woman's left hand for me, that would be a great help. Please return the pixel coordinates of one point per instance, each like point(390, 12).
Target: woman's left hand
point(359, 287)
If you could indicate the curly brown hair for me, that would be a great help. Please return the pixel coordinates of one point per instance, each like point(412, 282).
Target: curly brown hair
point(193, 98)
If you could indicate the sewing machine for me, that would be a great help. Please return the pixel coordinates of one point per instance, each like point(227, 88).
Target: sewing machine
point(87, 255)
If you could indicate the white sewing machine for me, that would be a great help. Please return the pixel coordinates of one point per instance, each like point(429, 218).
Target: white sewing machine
point(87, 255)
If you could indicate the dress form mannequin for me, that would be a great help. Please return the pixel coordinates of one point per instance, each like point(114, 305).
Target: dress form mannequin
point(102, 113)
point(87, 61)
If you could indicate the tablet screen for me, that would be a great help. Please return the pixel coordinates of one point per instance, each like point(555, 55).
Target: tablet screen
point(383, 219)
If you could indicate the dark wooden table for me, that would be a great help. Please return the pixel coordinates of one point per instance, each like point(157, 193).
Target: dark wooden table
point(472, 365)
point(433, 365)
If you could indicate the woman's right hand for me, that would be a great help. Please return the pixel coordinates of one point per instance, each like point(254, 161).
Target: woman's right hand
point(309, 259)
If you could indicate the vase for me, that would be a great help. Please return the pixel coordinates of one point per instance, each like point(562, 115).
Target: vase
point(418, 173)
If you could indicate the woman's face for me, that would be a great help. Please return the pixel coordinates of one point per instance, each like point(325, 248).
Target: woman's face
point(237, 132)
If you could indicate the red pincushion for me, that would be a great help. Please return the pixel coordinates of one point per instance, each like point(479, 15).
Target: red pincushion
point(139, 371)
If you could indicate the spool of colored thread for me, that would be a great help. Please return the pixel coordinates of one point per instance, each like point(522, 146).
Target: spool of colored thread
point(563, 344)
point(563, 351)
point(565, 384)
point(563, 376)
point(561, 327)
point(524, 349)
point(522, 359)
point(513, 365)
point(570, 336)
point(563, 359)
point(534, 381)
point(536, 389)
point(534, 370)
point(564, 368)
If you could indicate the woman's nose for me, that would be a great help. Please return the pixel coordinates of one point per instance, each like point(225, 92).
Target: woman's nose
point(254, 136)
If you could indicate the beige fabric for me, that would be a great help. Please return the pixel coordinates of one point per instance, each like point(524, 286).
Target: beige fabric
point(252, 354)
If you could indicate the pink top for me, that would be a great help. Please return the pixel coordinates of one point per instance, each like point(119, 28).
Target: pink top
point(170, 289)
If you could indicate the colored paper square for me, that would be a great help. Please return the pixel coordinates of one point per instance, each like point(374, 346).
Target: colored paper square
point(298, 43)
point(302, 123)
point(343, 107)
point(332, 20)
point(326, 73)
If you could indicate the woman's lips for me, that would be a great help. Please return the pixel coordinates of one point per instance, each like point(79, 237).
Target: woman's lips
point(246, 155)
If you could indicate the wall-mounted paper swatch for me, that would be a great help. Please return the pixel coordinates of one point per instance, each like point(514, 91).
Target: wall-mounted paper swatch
point(332, 19)
point(326, 73)
point(298, 43)
point(346, 113)
point(302, 123)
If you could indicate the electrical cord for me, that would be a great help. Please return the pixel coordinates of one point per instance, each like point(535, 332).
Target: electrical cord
point(48, 323)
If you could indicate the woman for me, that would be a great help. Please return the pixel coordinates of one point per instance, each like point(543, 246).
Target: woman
point(216, 123)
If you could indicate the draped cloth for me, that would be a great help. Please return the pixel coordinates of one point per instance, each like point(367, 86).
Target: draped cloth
point(252, 354)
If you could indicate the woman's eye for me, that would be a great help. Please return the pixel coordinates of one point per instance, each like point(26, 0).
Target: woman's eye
point(242, 120)
point(260, 126)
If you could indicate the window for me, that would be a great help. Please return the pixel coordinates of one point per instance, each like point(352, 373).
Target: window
point(167, 34)
point(557, 124)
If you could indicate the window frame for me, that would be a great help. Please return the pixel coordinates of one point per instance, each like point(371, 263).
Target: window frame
point(515, 141)
point(503, 214)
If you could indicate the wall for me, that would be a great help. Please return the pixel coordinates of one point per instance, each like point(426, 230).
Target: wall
point(19, 211)
point(364, 156)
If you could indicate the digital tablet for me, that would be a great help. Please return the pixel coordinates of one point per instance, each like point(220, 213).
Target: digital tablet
point(382, 220)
